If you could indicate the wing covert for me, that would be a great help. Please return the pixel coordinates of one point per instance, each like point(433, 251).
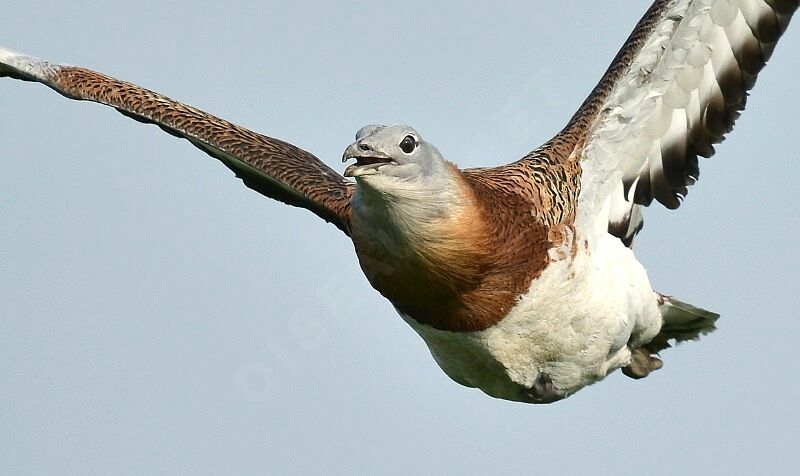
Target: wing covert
point(272, 167)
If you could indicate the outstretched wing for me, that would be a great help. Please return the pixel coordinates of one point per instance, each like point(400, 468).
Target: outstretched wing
point(270, 166)
point(672, 92)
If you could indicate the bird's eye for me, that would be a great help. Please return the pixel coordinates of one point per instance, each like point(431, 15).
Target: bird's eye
point(408, 144)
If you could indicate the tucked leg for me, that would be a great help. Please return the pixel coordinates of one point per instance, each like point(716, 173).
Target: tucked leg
point(642, 363)
point(542, 390)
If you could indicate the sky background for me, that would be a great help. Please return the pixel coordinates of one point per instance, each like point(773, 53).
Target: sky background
point(158, 317)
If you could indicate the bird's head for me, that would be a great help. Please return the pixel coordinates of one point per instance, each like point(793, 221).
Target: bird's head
point(402, 184)
point(387, 155)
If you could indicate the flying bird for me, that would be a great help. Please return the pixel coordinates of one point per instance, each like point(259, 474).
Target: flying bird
point(520, 278)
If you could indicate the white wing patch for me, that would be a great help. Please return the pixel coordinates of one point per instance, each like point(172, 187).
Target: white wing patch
point(681, 94)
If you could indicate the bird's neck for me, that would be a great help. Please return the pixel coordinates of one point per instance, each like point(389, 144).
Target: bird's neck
point(408, 213)
point(421, 245)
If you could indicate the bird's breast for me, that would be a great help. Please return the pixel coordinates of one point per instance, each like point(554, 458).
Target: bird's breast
point(454, 275)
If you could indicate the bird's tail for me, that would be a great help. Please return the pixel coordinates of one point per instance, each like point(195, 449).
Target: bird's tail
point(682, 322)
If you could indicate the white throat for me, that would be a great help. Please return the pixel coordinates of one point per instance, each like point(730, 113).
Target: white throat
point(397, 210)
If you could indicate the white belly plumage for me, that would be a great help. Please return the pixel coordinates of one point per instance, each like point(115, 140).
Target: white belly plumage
point(572, 328)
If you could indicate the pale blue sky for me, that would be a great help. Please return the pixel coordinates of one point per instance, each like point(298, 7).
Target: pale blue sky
point(158, 317)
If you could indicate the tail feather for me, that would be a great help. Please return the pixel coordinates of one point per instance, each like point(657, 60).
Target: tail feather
point(682, 322)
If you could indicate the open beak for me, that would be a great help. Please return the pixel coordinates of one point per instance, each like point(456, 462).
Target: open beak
point(367, 161)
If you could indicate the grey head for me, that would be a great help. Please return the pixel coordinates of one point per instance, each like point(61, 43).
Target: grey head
point(386, 154)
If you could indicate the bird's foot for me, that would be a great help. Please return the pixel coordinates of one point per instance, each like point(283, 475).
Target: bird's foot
point(542, 390)
point(642, 363)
